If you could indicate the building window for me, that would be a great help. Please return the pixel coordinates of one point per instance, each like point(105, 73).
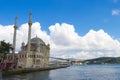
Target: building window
point(22, 56)
point(39, 56)
point(25, 55)
point(29, 56)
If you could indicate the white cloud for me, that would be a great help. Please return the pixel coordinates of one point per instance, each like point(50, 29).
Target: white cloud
point(116, 12)
point(6, 33)
point(65, 42)
point(115, 1)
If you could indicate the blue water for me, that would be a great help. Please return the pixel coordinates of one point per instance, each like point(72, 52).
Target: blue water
point(81, 72)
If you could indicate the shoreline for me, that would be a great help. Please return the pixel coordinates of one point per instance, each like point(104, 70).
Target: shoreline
point(19, 71)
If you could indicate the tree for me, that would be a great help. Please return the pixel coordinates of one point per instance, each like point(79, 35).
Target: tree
point(5, 48)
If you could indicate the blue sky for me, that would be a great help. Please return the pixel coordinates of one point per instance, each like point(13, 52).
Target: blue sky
point(83, 14)
point(79, 29)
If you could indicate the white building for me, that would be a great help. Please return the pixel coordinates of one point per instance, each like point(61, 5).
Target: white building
point(38, 55)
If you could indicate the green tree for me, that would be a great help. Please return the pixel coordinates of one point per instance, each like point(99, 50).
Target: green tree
point(5, 48)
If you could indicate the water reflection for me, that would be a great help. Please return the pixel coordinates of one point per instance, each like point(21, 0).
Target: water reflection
point(43, 75)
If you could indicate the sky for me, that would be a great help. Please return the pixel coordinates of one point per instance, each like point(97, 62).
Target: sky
point(80, 29)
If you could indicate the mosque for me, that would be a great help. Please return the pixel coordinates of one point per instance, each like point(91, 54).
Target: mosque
point(38, 55)
point(34, 54)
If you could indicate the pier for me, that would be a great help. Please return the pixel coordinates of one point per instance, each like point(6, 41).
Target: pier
point(56, 63)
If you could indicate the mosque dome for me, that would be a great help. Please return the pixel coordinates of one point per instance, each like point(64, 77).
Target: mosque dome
point(36, 40)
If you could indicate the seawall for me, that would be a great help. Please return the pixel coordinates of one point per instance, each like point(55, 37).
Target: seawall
point(28, 70)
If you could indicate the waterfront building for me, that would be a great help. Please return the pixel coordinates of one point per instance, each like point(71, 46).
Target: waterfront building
point(34, 54)
point(38, 55)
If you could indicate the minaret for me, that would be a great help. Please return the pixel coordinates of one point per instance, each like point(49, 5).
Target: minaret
point(14, 37)
point(29, 31)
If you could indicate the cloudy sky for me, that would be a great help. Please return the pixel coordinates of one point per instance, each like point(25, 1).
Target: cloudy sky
point(81, 29)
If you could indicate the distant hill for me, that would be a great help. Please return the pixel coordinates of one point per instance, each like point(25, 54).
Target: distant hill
point(103, 60)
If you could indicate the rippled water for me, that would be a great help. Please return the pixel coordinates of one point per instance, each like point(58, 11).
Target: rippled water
point(81, 72)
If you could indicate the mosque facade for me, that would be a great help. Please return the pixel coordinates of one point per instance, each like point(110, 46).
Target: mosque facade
point(38, 55)
point(34, 54)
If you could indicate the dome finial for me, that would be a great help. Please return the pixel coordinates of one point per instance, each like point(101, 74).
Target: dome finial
point(36, 36)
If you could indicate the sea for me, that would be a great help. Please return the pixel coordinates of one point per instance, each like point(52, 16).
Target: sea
point(74, 72)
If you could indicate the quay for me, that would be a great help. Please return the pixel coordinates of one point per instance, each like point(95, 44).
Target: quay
point(28, 70)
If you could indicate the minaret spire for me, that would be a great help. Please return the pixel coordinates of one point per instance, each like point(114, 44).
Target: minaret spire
point(30, 17)
point(14, 37)
point(29, 31)
point(16, 21)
